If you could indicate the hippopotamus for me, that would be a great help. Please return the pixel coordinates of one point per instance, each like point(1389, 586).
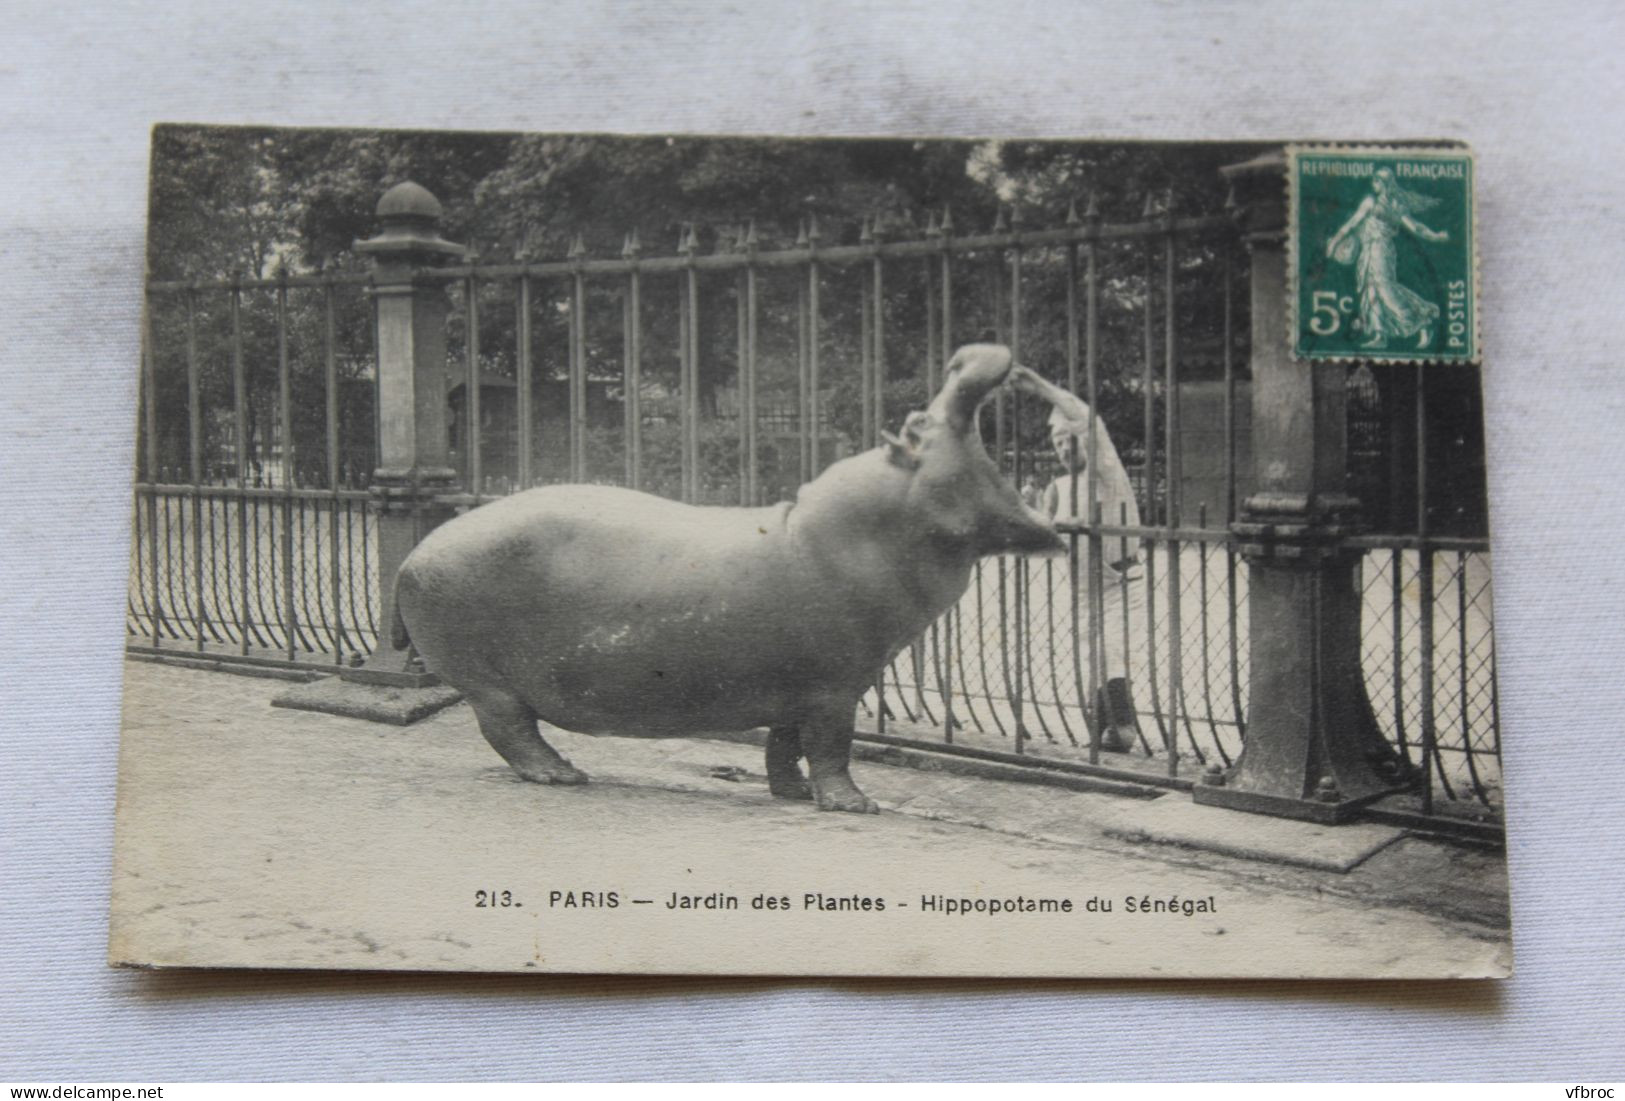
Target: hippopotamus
point(608, 611)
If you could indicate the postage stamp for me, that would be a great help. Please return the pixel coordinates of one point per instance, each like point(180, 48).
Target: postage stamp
point(1384, 263)
point(580, 553)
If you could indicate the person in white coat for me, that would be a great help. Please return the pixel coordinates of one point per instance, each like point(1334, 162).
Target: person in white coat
point(1124, 587)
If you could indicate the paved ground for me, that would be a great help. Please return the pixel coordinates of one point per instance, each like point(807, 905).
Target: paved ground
point(255, 836)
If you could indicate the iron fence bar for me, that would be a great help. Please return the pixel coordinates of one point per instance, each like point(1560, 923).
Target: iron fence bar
point(1232, 595)
point(330, 377)
point(1001, 404)
point(252, 493)
point(311, 621)
point(325, 279)
point(1150, 512)
point(634, 369)
point(917, 660)
point(1020, 562)
point(928, 373)
point(1230, 482)
point(1207, 649)
point(942, 643)
point(691, 385)
point(838, 254)
point(177, 607)
point(473, 465)
point(1122, 589)
point(239, 386)
point(1073, 577)
point(1495, 701)
point(523, 392)
point(753, 493)
point(952, 624)
point(685, 471)
point(803, 436)
point(813, 376)
point(149, 423)
point(290, 624)
point(866, 349)
point(194, 455)
point(1054, 673)
point(223, 633)
point(578, 376)
point(266, 620)
point(356, 614)
point(367, 590)
point(1096, 581)
point(1179, 713)
point(1424, 586)
point(139, 618)
point(879, 360)
point(1397, 615)
point(1411, 542)
point(1462, 678)
point(959, 656)
point(788, 257)
point(981, 634)
point(877, 402)
point(743, 445)
point(1226, 279)
point(897, 683)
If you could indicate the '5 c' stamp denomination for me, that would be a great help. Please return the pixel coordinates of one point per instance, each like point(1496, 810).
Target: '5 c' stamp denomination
point(1383, 263)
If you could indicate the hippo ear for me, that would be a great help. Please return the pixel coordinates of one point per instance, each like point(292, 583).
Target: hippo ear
point(903, 452)
point(972, 374)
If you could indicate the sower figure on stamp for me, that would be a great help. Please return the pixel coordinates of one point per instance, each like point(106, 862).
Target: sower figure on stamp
point(1123, 584)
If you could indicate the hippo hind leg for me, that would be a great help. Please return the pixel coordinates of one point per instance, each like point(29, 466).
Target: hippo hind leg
point(510, 726)
point(784, 775)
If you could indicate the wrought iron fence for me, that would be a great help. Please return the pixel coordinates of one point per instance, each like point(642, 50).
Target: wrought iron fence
point(252, 536)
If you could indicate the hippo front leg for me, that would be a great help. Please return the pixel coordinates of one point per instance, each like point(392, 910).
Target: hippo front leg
point(827, 741)
point(784, 776)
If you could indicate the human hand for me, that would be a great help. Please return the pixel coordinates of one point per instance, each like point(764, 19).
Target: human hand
point(1027, 380)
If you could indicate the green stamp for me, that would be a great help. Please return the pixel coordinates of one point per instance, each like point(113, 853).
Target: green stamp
point(1382, 262)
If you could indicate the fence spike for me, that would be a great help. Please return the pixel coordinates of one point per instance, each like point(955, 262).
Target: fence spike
point(1091, 209)
point(751, 240)
point(578, 248)
point(1149, 210)
point(1015, 217)
point(947, 220)
point(812, 228)
point(1072, 218)
point(931, 227)
point(999, 224)
point(633, 245)
point(801, 233)
point(865, 235)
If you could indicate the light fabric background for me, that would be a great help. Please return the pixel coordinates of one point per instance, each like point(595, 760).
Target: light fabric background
point(1537, 88)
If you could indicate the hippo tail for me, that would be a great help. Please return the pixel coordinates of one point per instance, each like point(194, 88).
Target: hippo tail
point(398, 636)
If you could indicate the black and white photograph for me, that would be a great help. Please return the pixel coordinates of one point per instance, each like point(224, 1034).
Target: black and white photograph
point(569, 552)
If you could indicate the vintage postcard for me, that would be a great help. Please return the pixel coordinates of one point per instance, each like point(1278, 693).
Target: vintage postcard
point(580, 553)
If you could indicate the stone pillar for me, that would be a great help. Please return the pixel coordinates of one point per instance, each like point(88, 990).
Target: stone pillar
point(414, 464)
point(1313, 749)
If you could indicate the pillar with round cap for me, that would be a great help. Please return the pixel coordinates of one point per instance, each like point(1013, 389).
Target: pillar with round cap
point(1313, 749)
